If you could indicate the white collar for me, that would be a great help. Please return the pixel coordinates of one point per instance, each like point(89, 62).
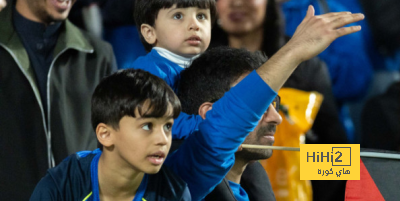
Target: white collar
point(183, 62)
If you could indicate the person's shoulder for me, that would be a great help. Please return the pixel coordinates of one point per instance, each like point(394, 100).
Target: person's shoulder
point(168, 185)
point(98, 44)
point(154, 58)
point(155, 64)
point(70, 179)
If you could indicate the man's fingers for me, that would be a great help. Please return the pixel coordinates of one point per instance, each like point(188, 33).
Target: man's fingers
point(329, 15)
point(343, 20)
point(310, 12)
point(347, 30)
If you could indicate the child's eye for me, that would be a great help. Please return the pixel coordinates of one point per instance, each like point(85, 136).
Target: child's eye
point(147, 126)
point(201, 17)
point(168, 127)
point(178, 16)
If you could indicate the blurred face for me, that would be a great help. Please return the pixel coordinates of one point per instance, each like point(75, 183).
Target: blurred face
point(183, 31)
point(142, 143)
point(263, 134)
point(239, 17)
point(3, 4)
point(45, 11)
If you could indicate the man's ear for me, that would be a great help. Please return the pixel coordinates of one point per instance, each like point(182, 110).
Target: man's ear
point(148, 33)
point(103, 134)
point(204, 108)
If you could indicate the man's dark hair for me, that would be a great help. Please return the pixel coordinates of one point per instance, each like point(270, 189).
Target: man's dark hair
point(121, 93)
point(146, 12)
point(213, 73)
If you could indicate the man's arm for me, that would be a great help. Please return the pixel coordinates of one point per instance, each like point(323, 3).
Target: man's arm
point(207, 155)
point(312, 36)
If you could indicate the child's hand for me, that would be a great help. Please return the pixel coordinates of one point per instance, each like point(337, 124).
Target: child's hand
point(316, 33)
point(3, 4)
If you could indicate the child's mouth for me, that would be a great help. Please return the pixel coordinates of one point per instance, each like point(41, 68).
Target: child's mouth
point(157, 158)
point(194, 40)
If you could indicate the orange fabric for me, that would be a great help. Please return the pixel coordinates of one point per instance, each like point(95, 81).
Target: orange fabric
point(283, 167)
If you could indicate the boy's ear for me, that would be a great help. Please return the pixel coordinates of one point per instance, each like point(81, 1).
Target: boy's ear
point(204, 108)
point(103, 134)
point(148, 33)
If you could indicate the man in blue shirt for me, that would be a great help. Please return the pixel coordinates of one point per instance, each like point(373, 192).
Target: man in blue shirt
point(206, 81)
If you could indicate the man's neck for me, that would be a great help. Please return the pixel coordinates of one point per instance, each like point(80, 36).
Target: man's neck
point(251, 41)
point(116, 181)
point(23, 8)
point(237, 170)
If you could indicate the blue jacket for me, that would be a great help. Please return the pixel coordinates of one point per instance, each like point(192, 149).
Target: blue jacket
point(171, 73)
point(207, 155)
point(348, 63)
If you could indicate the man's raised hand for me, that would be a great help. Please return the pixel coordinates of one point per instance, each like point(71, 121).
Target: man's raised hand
point(316, 33)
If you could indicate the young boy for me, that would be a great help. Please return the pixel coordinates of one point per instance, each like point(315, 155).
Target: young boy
point(174, 32)
point(132, 114)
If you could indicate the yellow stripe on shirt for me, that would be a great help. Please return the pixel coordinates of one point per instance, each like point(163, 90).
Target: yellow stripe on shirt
point(87, 197)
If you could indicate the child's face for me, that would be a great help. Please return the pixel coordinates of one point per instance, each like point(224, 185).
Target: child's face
point(143, 143)
point(183, 31)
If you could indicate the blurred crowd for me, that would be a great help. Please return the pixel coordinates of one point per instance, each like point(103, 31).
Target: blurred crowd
point(358, 75)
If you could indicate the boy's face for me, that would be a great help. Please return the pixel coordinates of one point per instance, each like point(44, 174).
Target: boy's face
point(142, 143)
point(183, 31)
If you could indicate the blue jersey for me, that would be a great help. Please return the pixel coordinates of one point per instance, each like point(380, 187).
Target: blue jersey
point(161, 67)
point(170, 72)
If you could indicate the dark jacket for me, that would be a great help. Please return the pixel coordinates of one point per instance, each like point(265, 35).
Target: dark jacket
point(31, 144)
point(254, 181)
point(380, 120)
point(76, 178)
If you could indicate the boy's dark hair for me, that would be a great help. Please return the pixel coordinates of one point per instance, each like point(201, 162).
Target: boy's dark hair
point(213, 73)
point(146, 12)
point(121, 93)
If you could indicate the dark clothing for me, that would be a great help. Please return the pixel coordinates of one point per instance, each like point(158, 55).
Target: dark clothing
point(254, 181)
point(39, 41)
point(380, 121)
point(31, 143)
point(76, 178)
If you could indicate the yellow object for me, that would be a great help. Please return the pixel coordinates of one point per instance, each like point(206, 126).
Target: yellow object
point(299, 111)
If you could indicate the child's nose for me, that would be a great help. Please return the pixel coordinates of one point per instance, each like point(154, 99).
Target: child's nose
point(162, 138)
point(194, 25)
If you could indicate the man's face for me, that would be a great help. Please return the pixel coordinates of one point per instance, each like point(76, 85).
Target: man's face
point(183, 31)
point(263, 134)
point(142, 144)
point(46, 11)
